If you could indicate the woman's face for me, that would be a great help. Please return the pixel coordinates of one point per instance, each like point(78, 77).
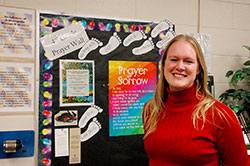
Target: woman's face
point(181, 66)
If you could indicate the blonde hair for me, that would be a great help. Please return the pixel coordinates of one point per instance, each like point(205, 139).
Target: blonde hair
point(154, 107)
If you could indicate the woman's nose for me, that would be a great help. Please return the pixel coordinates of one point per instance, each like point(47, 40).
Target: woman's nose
point(180, 65)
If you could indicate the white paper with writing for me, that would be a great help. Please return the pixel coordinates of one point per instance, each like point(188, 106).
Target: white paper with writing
point(16, 87)
point(17, 32)
point(61, 142)
point(78, 82)
point(75, 146)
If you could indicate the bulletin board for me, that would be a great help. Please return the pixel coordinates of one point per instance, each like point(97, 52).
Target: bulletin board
point(95, 76)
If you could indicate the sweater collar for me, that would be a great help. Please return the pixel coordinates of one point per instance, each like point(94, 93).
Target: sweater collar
point(186, 96)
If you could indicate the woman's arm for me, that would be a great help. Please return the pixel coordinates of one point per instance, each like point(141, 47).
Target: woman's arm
point(230, 141)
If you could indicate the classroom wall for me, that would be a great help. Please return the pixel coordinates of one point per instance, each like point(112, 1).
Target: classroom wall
point(227, 21)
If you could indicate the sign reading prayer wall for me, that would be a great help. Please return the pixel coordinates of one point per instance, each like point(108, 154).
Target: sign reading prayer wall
point(96, 75)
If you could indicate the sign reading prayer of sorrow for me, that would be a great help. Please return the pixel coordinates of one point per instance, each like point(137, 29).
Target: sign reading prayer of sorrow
point(131, 85)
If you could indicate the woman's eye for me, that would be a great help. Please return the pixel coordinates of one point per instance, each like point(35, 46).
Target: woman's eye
point(173, 60)
point(189, 61)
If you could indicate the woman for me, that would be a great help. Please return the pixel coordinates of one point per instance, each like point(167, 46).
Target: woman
point(184, 125)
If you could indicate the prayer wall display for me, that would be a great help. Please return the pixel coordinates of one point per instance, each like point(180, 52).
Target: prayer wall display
point(95, 76)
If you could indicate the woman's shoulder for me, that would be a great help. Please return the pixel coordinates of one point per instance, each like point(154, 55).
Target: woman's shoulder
point(223, 107)
point(225, 112)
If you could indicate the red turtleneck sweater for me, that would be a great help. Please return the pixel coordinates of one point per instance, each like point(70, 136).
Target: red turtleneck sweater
point(176, 142)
